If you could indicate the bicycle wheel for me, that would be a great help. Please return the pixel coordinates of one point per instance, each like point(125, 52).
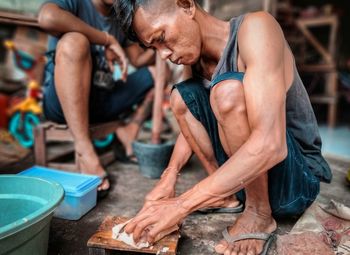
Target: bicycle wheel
point(104, 142)
point(22, 128)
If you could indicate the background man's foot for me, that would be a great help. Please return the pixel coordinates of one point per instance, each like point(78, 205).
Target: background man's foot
point(89, 163)
point(127, 135)
point(249, 222)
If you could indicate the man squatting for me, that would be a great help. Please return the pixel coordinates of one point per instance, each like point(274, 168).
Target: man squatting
point(254, 130)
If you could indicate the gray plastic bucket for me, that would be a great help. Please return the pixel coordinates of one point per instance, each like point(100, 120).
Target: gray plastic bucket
point(153, 158)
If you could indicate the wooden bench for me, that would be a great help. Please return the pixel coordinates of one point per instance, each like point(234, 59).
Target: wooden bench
point(18, 19)
point(51, 132)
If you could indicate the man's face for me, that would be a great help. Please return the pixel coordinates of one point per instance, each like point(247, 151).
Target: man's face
point(174, 34)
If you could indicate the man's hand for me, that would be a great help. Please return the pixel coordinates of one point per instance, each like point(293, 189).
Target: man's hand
point(114, 52)
point(156, 217)
point(165, 188)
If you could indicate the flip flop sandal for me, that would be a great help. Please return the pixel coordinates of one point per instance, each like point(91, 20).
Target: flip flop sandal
point(267, 237)
point(131, 159)
point(238, 209)
point(120, 154)
point(104, 192)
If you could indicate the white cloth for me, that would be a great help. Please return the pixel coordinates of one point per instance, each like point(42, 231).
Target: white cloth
point(119, 234)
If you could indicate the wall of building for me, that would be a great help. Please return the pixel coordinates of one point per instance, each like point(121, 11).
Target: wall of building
point(22, 6)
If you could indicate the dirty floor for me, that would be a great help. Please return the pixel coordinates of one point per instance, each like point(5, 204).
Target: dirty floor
point(199, 232)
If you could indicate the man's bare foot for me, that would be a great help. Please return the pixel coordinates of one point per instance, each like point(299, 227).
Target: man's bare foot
point(127, 134)
point(249, 222)
point(89, 163)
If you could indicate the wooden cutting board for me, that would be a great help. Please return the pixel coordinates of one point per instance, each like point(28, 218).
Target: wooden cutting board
point(103, 243)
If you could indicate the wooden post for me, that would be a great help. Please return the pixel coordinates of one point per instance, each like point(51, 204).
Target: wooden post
point(270, 6)
point(40, 146)
point(331, 90)
point(207, 5)
point(157, 116)
point(266, 5)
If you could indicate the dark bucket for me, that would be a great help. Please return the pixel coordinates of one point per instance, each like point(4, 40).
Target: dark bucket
point(153, 158)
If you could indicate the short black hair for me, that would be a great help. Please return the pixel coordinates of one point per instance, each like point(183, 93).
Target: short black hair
point(125, 11)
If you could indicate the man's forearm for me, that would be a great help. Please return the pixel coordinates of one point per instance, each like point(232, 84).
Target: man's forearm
point(145, 58)
point(249, 162)
point(58, 21)
point(139, 57)
point(181, 154)
point(165, 188)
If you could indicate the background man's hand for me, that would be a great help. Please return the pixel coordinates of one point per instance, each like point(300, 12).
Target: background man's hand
point(115, 53)
point(165, 188)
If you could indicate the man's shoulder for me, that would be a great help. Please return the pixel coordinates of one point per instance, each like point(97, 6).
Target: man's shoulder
point(258, 27)
point(257, 20)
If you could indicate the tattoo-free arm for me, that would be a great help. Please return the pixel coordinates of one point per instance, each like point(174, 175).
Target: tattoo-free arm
point(181, 154)
point(57, 21)
point(165, 188)
point(262, 46)
point(140, 57)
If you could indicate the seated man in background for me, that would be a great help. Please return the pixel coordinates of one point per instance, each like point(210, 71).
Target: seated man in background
point(85, 44)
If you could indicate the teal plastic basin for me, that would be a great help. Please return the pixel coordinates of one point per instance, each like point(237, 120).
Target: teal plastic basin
point(26, 208)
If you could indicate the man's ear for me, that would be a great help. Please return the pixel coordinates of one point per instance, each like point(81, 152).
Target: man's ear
point(189, 6)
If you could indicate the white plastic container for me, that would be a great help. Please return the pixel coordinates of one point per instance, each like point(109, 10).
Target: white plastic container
point(80, 190)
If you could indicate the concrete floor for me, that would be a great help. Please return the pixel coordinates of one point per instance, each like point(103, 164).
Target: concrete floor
point(199, 232)
point(336, 141)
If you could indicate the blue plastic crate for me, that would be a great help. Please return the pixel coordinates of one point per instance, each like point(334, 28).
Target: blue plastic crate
point(80, 190)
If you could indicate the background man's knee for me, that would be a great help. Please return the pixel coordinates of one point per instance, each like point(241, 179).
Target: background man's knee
point(73, 46)
point(227, 96)
point(177, 104)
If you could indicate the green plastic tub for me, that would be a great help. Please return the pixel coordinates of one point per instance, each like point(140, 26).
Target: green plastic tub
point(26, 208)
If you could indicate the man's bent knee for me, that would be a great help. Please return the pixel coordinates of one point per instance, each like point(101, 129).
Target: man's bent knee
point(177, 104)
point(226, 97)
point(73, 46)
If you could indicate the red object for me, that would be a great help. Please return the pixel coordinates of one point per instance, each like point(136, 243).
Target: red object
point(35, 93)
point(4, 100)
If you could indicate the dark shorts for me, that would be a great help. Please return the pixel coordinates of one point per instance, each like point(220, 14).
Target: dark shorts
point(292, 186)
point(104, 104)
